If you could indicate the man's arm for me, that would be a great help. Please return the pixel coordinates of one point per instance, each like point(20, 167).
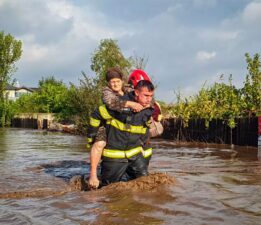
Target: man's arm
point(95, 157)
point(96, 149)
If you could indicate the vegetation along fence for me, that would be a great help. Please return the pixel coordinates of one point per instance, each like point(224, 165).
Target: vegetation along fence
point(244, 134)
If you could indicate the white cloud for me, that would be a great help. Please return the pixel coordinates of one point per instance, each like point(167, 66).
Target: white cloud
point(86, 23)
point(2, 3)
point(61, 8)
point(35, 53)
point(252, 13)
point(186, 42)
point(220, 35)
point(205, 56)
point(58, 37)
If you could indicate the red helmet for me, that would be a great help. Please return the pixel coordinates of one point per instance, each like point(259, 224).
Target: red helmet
point(136, 76)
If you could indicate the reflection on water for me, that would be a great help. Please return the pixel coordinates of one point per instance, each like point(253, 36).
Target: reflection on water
point(215, 185)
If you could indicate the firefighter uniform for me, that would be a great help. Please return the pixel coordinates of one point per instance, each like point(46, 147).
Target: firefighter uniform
point(127, 152)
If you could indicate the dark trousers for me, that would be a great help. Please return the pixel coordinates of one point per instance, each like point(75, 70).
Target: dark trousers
point(123, 170)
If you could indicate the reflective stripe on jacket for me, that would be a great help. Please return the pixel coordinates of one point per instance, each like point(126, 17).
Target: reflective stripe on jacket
point(127, 133)
point(120, 154)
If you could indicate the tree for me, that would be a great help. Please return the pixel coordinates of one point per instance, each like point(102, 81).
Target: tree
point(220, 101)
point(82, 101)
point(252, 85)
point(26, 103)
point(108, 55)
point(182, 108)
point(203, 106)
point(10, 52)
point(228, 102)
point(51, 98)
point(139, 62)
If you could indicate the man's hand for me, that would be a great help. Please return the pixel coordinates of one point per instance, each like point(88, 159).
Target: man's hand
point(93, 182)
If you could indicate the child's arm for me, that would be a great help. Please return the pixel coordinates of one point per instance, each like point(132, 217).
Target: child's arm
point(114, 102)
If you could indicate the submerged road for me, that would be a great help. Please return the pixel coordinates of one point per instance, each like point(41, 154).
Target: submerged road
point(214, 184)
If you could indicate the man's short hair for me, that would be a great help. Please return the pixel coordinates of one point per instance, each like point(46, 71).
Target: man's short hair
point(145, 84)
point(113, 72)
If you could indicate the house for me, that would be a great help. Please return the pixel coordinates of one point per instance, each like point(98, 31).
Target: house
point(12, 92)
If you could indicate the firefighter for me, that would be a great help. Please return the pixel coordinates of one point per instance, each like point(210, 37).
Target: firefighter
point(156, 128)
point(111, 97)
point(127, 135)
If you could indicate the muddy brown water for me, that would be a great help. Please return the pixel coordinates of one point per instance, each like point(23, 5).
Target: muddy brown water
point(189, 184)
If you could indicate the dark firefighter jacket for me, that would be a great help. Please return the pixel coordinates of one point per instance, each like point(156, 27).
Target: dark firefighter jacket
point(127, 132)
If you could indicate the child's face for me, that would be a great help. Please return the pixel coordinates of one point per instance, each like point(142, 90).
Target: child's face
point(115, 84)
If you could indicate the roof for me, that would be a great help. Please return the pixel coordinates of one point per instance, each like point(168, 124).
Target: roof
point(23, 87)
point(34, 88)
point(10, 87)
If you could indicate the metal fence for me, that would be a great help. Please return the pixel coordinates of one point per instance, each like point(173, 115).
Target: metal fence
point(24, 123)
point(245, 133)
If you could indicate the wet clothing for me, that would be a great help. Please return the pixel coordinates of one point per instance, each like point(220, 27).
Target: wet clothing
point(157, 115)
point(156, 128)
point(127, 135)
point(117, 170)
point(101, 134)
point(113, 101)
point(125, 131)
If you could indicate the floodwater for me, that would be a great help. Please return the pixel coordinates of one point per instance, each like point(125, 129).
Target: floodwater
point(214, 185)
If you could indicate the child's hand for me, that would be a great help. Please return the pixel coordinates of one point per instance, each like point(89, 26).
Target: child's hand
point(136, 107)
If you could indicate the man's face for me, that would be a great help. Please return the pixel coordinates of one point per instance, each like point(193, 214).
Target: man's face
point(144, 96)
point(115, 84)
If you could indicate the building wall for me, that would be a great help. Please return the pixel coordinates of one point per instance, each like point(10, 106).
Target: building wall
point(20, 92)
point(10, 94)
point(14, 94)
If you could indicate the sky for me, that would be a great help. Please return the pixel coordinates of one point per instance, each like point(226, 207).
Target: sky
point(188, 43)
